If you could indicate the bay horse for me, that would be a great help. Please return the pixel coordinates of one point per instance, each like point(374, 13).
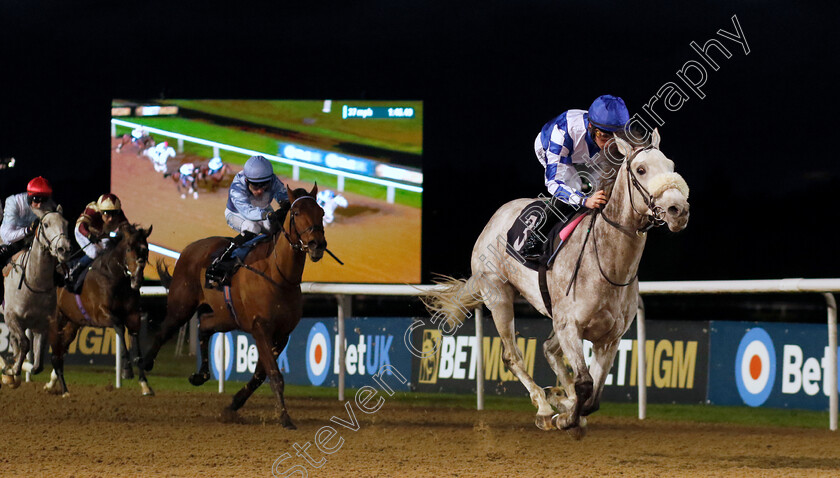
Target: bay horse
point(266, 300)
point(30, 301)
point(142, 144)
point(212, 179)
point(110, 297)
point(646, 192)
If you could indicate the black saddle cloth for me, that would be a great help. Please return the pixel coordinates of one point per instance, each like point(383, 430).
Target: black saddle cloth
point(536, 217)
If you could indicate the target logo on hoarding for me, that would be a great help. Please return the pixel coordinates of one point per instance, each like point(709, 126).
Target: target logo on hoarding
point(755, 367)
point(216, 354)
point(318, 348)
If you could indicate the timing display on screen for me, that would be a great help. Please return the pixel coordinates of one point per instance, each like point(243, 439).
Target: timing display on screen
point(364, 112)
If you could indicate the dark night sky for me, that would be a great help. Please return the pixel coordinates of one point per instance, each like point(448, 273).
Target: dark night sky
point(756, 150)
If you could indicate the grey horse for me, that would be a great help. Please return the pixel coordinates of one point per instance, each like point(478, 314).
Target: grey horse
point(596, 301)
point(30, 299)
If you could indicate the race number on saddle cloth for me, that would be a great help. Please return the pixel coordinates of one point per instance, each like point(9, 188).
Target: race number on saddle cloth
point(249, 213)
point(527, 224)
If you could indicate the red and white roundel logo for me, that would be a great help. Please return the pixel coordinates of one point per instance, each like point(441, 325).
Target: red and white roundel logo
point(755, 370)
point(755, 367)
point(318, 354)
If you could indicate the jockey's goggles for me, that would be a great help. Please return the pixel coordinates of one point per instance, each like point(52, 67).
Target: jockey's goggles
point(259, 185)
point(37, 199)
point(604, 134)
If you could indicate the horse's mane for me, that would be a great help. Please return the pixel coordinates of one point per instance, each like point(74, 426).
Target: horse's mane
point(614, 157)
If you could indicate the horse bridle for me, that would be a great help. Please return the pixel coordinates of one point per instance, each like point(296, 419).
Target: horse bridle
point(655, 217)
point(48, 247)
point(299, 245)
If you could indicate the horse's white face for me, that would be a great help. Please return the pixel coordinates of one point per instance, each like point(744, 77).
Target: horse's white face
point(52, 235)
point(655, 172)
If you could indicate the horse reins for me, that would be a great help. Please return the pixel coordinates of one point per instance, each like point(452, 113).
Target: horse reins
point(48, 247)
point(654, 219)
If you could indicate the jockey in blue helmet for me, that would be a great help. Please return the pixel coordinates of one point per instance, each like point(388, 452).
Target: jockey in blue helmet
point(568, 148)
point(249, 208)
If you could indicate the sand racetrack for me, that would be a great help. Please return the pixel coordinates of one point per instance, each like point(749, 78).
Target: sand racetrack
point(98, 431)
point(378, 242)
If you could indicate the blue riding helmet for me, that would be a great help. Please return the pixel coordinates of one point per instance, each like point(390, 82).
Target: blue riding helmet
point(608, 113)
point(258, 169)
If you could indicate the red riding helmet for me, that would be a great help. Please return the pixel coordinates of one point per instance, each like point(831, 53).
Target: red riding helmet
point(39, 187)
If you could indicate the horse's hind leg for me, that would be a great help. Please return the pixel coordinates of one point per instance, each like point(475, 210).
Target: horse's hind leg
point(604, 356)
point(264, 347)
point(503, 317)
point(60, 339)
point(202, 375)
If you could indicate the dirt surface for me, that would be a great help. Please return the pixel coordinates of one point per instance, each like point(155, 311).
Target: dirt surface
point(98, 431)
point(378, 242)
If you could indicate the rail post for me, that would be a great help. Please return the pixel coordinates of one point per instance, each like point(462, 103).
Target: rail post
point(641, 339)
point(831, 379)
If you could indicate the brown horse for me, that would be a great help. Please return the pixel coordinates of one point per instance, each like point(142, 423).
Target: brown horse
point(266, 300)
point(110, 298)
point(142, 144)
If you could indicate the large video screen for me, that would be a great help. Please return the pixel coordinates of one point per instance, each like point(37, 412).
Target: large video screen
point(367, 153)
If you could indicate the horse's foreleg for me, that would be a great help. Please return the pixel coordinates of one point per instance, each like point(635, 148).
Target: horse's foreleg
point(245, 392)
point(604, 356)
point(264, 347)
point(554, 355)
point(141, 374)
point(127, 371)
point(40, 340)
point(202, 375)
point(572, 345)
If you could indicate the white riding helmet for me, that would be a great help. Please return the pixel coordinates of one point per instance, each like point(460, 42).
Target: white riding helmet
point(215, 163)
point(187, 169)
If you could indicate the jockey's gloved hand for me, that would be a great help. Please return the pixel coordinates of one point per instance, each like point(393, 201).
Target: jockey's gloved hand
point(278, 216)
point(30, 229)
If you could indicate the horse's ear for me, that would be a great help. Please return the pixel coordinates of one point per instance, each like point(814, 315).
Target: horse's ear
point(314, 191)
point(148, 231)
point(59, 209)
point(623, 147)
point(654, 138)
point(290, 192)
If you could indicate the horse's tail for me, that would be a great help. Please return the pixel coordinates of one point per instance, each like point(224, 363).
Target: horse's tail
point(163, 272)
point(452, 299)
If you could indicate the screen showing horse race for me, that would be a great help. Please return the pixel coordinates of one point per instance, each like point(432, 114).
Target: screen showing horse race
point(172, 163)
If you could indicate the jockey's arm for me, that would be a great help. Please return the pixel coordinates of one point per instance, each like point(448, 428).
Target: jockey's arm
point(241, 201)
point(12, 229)
point(557, 176)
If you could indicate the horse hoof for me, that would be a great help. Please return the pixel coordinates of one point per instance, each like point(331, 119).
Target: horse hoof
point(288, 425)
point(147, 390)
point(65, 394)
point(556, 396)
point(544, 422)
point(198, 379)
point(11, 381)
point(579, 431)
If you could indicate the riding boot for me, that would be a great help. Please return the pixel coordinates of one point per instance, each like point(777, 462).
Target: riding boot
point(218, 276)
point(538, 238)
point(74, 272)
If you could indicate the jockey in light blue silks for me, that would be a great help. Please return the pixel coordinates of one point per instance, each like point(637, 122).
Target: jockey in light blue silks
point(248, 209)
point(567, 147)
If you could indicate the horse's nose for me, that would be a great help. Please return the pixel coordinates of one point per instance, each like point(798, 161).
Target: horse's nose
point(677, 211)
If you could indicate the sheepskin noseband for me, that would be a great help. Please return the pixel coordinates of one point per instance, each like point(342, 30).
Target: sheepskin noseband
point(665, 181)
